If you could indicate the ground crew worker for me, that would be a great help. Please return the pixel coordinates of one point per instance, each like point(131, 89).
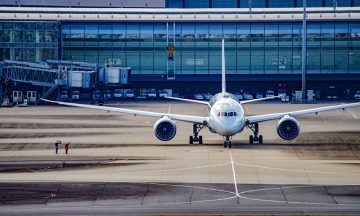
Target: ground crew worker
point(67, 147)
point(57, 143)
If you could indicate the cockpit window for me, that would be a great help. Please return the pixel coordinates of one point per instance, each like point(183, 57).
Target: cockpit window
point(227, 114)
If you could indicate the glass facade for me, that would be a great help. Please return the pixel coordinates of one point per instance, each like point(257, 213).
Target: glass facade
point(28, 41)
point(258, 3)
point(251, 48)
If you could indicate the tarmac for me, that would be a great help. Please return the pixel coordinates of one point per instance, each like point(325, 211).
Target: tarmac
point(116, 165)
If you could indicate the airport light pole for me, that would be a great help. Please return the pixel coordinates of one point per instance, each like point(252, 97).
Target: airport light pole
point(304, 52)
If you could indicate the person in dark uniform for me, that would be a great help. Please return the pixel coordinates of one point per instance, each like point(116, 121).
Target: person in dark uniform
point(67, 147)
point(57, 143)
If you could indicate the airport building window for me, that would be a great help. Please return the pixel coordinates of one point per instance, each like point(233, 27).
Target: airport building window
point(224, 3)
point(257, 3)
point(310, 3)
point(251, 48)
point(281, 3)
point(174, 4)
point(28, 41)
point(339, 3)
point(197, 4)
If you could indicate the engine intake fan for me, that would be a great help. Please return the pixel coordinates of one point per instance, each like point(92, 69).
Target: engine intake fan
point(165, 129)
point(288, 128)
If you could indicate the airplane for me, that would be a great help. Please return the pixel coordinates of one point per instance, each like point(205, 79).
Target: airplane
point(226, 117)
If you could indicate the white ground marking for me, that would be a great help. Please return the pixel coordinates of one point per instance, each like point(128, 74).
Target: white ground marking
point(169, 109)
point(288, 202)
point(293, 170)
point(176, 169)
point(233, 170)
point(353, 114)
point(189, 186)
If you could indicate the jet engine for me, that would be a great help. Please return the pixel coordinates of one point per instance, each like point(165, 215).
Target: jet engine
point(288, 128)
point(165, 129)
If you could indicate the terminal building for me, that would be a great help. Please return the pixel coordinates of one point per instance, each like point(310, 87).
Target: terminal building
point(176, 44)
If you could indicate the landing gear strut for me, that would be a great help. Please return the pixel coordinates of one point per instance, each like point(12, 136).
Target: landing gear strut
point(256, 138)
point(227, 142)
point(196, 138)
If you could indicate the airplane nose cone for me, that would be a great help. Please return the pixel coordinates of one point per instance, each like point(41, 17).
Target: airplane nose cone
point(229, 128)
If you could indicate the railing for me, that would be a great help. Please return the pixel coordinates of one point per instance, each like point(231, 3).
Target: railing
point(35, 74)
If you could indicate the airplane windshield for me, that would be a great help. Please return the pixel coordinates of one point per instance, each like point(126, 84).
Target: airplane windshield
point(220, 96)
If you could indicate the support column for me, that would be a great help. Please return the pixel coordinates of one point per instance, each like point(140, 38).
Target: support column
point(12, 49)
point(1, 92)
point(304, 52)
point(37, 49)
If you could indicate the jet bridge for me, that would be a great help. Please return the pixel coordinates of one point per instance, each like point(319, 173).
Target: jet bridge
point(49, 75)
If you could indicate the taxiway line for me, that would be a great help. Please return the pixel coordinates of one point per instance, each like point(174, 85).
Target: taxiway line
point(293, 170)
point(353, 114)
point(175, 169)
point(234, 175)
point(169, 109)
point(288, 202)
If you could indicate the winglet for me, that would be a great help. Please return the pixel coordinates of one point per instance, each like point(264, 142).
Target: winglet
point(223, 80)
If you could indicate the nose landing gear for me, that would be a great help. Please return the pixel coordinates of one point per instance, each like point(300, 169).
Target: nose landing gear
point(227, 142)
point(196, 138)
point(256, 138)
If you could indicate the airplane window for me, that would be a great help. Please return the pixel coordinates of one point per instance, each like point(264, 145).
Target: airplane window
point(227, 114)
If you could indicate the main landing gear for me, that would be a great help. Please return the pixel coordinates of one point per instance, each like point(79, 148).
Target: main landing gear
point(256, 138)
point(196, 138)
point(227, 142)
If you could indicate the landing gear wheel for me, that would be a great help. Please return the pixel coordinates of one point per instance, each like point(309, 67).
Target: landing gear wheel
point(227, 142)
point(251, 139)
point(256, 138)
point(196, 138)
point(191, 140)
point(260, 139)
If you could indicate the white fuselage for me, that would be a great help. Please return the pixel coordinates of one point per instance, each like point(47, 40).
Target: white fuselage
point(226, 115)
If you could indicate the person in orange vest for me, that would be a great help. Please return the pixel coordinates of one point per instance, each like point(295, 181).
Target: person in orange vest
point(67, 147)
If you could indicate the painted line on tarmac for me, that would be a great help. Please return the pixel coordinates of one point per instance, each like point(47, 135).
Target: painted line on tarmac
point(189, 186)
point(170, 203)
point(234, 175)
point(288, 202)
point(247, 111)
point(175, 169)
point(293, 170)
point(353, 114)
point(169, 109)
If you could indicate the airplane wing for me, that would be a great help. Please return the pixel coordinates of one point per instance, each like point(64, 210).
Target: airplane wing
point(260, 99)
point(188, 100)
point(185, 118)
point(274, 116)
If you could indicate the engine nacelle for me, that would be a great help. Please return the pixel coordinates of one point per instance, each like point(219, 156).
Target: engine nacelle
point(288, 128)
point(165, 129)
